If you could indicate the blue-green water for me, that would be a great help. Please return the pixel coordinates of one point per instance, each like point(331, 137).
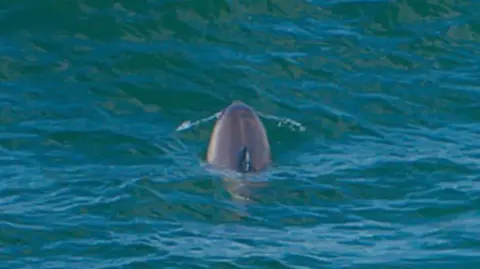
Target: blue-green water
point(385, 175)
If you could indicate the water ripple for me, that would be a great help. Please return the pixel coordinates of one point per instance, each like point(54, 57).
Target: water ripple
point(382, 170)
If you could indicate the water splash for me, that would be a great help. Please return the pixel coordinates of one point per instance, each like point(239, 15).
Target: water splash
point(293, 125)
point(189, 124)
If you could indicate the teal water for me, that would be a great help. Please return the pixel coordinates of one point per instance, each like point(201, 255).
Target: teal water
point(94, 174)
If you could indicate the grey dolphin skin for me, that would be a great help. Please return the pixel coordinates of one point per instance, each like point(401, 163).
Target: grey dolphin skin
point(239, 140)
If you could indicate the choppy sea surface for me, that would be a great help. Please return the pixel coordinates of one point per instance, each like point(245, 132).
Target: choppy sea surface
point(384, 172)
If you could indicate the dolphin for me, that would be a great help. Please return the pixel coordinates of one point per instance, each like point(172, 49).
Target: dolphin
point(239, 143)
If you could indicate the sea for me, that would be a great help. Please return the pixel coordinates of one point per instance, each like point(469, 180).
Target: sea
point(372, 110)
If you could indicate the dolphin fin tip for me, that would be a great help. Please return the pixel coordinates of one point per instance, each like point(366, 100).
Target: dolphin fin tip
point(245, 161)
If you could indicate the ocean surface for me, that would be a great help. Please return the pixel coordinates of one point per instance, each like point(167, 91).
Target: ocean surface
point(372, 110)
